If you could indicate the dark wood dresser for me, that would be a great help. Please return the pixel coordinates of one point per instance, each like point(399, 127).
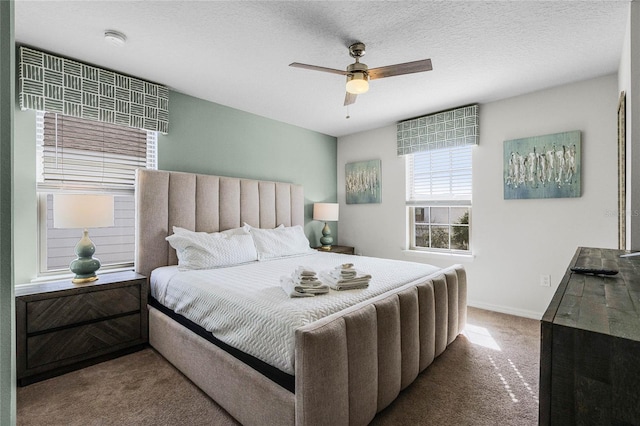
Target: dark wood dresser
point(61, 326)
point(590, 344)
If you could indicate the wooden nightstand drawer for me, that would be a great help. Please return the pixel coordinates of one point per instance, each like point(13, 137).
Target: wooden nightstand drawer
point(52, 313)
point(83, 340)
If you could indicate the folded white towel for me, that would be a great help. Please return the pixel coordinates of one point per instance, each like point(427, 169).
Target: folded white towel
point(345, 270)
point(304, 271)
point(349, 286)
point(289, 287)
point(306, 283)
point(305, 276)
point(338, 275)
point(321, 289)
point(295, 290)
point(343, 273)
point(360, 281)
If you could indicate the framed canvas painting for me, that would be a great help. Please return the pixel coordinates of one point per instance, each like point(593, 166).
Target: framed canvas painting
point(363, 182)
point(546, 166)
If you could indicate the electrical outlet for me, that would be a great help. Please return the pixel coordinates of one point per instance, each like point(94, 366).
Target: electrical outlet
point(545, 280)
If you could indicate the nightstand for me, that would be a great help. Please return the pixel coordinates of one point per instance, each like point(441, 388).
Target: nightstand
point(61, 326)
point(338, 249)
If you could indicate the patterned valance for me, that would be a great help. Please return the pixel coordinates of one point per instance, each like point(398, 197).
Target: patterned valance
point(54, 84)
point(445, 129)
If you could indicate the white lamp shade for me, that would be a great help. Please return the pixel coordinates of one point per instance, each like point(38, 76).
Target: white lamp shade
point(325, 211)
point(82, 211)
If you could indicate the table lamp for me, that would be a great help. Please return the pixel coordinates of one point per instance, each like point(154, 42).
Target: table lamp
point(83, 211)
point(326, 212)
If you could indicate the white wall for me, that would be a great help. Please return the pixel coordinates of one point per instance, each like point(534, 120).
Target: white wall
point(513, 241)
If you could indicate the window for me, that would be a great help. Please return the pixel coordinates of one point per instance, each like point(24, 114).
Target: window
point(78, 155)
point(439, 199)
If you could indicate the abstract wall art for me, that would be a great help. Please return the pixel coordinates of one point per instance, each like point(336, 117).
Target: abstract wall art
point(363, 182)
point(545, 166)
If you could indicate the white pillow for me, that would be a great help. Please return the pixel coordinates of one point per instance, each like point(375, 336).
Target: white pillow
point(280, 242)
point(248, 227)
point(234, 231)
point(200, 250)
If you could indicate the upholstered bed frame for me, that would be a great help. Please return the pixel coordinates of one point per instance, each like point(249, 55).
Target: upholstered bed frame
point(348, 366)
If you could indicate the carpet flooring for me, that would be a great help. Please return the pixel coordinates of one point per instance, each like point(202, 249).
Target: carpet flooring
point(488, 376)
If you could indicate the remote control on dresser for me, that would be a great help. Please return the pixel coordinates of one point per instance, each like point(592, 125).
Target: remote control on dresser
point(594, 271)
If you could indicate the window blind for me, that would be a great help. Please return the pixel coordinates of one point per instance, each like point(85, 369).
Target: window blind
point(440, 175)
point(89, 155)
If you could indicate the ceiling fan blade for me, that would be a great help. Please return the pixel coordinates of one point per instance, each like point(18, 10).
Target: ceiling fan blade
point(317, 68)
point(400, 69)
point(349, 99)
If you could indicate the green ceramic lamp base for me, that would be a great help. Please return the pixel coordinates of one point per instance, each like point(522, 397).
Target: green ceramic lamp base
point(326, 240)
point(85, 266)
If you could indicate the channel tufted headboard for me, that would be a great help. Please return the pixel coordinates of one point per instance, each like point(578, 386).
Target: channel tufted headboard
point(205, 203)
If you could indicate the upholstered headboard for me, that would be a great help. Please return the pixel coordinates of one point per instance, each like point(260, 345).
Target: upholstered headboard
point(205, 203)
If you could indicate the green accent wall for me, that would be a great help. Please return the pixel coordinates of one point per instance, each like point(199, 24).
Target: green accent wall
point(7, 100)
point(205, 137)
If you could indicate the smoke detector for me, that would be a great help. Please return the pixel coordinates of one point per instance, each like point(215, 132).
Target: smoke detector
point(115, 37)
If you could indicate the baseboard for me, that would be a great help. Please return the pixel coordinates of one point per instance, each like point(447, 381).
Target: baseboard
point(506, 310)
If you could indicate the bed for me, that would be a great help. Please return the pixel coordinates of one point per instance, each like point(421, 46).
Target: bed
point(345, 366)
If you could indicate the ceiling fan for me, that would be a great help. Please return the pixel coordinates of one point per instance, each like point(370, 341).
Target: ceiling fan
point(359, 74)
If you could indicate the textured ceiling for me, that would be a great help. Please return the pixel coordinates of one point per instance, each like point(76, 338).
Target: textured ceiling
point(237, 53)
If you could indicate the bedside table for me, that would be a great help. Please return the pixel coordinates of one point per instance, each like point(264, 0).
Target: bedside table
point(338, 249)
point(61, 326)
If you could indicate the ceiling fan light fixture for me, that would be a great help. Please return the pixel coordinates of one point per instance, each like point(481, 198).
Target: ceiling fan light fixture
point(357, 83)
point(358, 73)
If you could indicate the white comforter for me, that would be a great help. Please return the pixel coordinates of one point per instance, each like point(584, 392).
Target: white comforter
point(245, 307)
